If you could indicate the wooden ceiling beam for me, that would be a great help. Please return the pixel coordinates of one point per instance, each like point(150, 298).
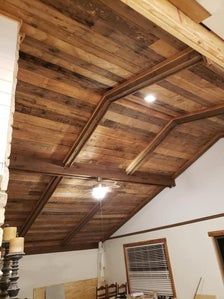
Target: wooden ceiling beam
point(88, 171)
point(192, 9)
point(77, 228)
point(52, 185)
point(214, 67)
point(172, 65)
point(165, 15)
point(176, 63)
point(197, 155)
point(189, 117)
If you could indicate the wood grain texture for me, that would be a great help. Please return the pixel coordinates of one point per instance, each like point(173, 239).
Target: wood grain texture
point(149, 76)
point(192, 9)
point(82, 289)
point(85, 68)
point(190, 117)
point(85, 172)
point(175, 22)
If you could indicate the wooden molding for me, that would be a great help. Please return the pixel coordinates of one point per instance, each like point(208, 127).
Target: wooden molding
point(89, 171)
point(217, 233)
point(165, 15)
point(168, 226)
point(189, 117)
point(192, 9)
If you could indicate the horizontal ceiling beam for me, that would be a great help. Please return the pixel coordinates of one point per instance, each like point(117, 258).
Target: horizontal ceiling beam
point(165, 15)
point(189, 117)
point(172, 65)
point(179, 61)
point(88, 171)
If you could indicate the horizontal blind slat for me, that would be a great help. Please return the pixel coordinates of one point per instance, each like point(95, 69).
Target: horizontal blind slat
point(148, 270)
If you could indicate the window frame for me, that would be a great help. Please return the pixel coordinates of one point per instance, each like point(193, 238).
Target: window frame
point(149, 242)
point(215, 235)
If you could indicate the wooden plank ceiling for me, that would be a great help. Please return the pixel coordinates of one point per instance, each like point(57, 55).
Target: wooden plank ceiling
point(84, 69)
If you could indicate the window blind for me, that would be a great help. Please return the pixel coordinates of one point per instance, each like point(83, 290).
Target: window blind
point(148, 269)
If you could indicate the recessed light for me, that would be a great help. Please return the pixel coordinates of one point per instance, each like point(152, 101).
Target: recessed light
point(150, 98)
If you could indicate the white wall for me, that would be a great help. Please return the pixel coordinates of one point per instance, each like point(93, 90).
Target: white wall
point(8, 69)
point(199, 193)
point(9, 44)
point(55, 268)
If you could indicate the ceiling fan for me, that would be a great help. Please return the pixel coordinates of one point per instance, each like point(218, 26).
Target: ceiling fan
point(103, 187)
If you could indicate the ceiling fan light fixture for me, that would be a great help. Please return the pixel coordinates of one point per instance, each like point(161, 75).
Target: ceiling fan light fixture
point(99, 192)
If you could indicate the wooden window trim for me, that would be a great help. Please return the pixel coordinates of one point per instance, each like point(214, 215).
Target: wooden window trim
point(216, 233)
point(154, 241)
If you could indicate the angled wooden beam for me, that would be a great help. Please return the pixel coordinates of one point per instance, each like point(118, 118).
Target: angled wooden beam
point(189, 117)
point(150, 147)
point(197, 155)
point(214, 67)
point(201, 114)
point(192, 9)
point(40, 204)
point(152, 75)
point(135, 210)
point(81, 224)
point(88, 171)
point(165, 15)
point(170, 66)
point(180, 61)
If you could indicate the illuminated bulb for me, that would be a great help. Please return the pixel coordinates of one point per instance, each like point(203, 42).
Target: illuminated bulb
point(150, 98)
point(100, 192)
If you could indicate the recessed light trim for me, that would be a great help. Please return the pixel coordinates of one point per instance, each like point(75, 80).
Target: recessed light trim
point(150, 98)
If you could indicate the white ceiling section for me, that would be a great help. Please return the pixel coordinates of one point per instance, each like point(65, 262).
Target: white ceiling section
point(216, 21)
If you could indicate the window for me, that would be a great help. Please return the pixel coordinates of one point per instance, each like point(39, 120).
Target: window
point(148, 268)
point(219, 243)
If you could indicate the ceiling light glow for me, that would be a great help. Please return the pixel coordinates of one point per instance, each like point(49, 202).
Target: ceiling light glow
point(150, 98)
point(99, 192)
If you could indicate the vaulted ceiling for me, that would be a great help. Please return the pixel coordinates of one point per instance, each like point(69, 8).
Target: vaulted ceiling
point(84, 70)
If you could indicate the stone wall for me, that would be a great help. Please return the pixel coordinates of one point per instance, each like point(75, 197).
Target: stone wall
point(9, 46)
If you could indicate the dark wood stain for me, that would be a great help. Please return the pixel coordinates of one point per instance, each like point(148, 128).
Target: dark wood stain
point(80, 103)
